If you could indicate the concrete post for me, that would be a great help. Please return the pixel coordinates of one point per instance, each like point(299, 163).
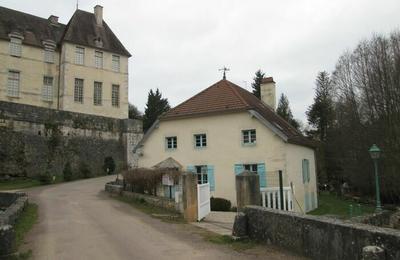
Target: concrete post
point(247, 190)
point(189, 196)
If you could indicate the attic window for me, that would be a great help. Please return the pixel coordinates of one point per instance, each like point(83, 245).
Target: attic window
point(98, 42)
point(15, 44)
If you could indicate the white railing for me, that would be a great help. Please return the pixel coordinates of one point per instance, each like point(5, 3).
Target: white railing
point(271, 198)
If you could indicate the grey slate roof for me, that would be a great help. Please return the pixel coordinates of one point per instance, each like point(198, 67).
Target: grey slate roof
point(34, 29)
point(81, 29)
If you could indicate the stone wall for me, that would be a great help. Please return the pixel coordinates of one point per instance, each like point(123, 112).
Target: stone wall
point(318, 237)
point(12, 205)
point(160, 202)
point(34, 140)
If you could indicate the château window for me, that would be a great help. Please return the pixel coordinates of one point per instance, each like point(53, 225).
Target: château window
point(15, 46)
point(47, 90)
point(171, 142)
point(115, 96)
point(49, 55)
point(98, 59)
point(80, 55)
point(200, 140)
point(249, 136)
point(115, 63)
point(78, 91)
point(13, 83)
point(97, 95)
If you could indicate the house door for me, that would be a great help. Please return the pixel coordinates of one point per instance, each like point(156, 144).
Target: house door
point(203, 201)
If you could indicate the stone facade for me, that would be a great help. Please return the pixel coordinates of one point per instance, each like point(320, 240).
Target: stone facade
point(35, 139)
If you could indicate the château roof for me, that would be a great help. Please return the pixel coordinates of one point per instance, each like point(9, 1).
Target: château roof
point(226, 97)
point(81, 29)
point(34, 29)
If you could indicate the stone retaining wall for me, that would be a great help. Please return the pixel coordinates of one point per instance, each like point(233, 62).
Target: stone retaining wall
point(319, 237)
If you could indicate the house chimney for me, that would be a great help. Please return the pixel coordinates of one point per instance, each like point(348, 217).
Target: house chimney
point(267, 92)
point(53, 20)
point(98, 13)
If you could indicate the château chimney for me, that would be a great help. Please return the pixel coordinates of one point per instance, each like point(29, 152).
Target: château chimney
point(53, 19)
point(267, 92)
point(98, 13)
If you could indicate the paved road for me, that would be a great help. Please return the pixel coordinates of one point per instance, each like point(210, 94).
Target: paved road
point(79, 221)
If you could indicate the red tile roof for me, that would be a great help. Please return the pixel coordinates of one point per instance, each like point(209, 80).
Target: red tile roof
point(226, 97)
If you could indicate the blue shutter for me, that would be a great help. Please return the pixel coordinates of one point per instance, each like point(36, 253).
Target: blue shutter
point(303, 167)
point(210, 177)
point(306, 201)
point(166, 191)
point(308, 170)
point(190, 168)
point(263, 177)
point(312, 200)
point(238, 169)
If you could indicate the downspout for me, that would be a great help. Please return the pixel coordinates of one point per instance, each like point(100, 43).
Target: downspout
point(59, 79)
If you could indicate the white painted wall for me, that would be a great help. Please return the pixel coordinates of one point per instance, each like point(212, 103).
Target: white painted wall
point(224, 149)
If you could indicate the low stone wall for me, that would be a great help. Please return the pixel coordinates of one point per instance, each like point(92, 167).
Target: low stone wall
point(161, 202)
point(12, 205)
point(319, 237)
point(389, 219)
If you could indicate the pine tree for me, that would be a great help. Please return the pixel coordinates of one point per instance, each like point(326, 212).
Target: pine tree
point(320, 114)
point(285, 112)
point(257, 83)
point(155, 106)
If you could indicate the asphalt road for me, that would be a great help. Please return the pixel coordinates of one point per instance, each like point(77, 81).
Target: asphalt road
point(77, 220)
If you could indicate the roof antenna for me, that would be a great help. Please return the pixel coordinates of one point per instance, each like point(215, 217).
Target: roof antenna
point(225, 69)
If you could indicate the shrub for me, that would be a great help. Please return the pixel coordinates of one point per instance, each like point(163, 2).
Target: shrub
point(45, 177)
point(84, 170)
point(67, 172)
point(220, 204)
point(109, 164)
point(143, 180)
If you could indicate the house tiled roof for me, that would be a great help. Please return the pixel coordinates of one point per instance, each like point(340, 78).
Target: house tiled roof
point(226, 97)
point(81, 29)
point(34, 29)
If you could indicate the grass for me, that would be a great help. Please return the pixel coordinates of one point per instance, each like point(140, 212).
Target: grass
point(236, 244)
point(156, 212)
point(333, 205)
point(25, 222)
point(19, 184)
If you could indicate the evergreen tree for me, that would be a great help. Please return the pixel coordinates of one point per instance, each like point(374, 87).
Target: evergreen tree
point(133, 112)
point(155, 106)
point(257, 83)
point(320, 114)
point(285, 112)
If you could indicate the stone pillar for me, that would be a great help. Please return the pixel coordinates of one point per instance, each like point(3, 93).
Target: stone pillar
point(373, 253)
point(132, 135)
point(247, 190)
point(189, 196)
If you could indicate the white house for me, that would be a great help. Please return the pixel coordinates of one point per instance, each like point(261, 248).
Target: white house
point(224, 130)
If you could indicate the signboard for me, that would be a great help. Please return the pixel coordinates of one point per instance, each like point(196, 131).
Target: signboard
point(167, 180)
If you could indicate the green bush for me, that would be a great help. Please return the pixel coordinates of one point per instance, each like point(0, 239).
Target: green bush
point(220, 204)
point(45, 178)
point(85, 170)
point(67, 172)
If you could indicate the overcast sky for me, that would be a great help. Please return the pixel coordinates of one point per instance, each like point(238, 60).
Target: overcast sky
point(179, 45)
